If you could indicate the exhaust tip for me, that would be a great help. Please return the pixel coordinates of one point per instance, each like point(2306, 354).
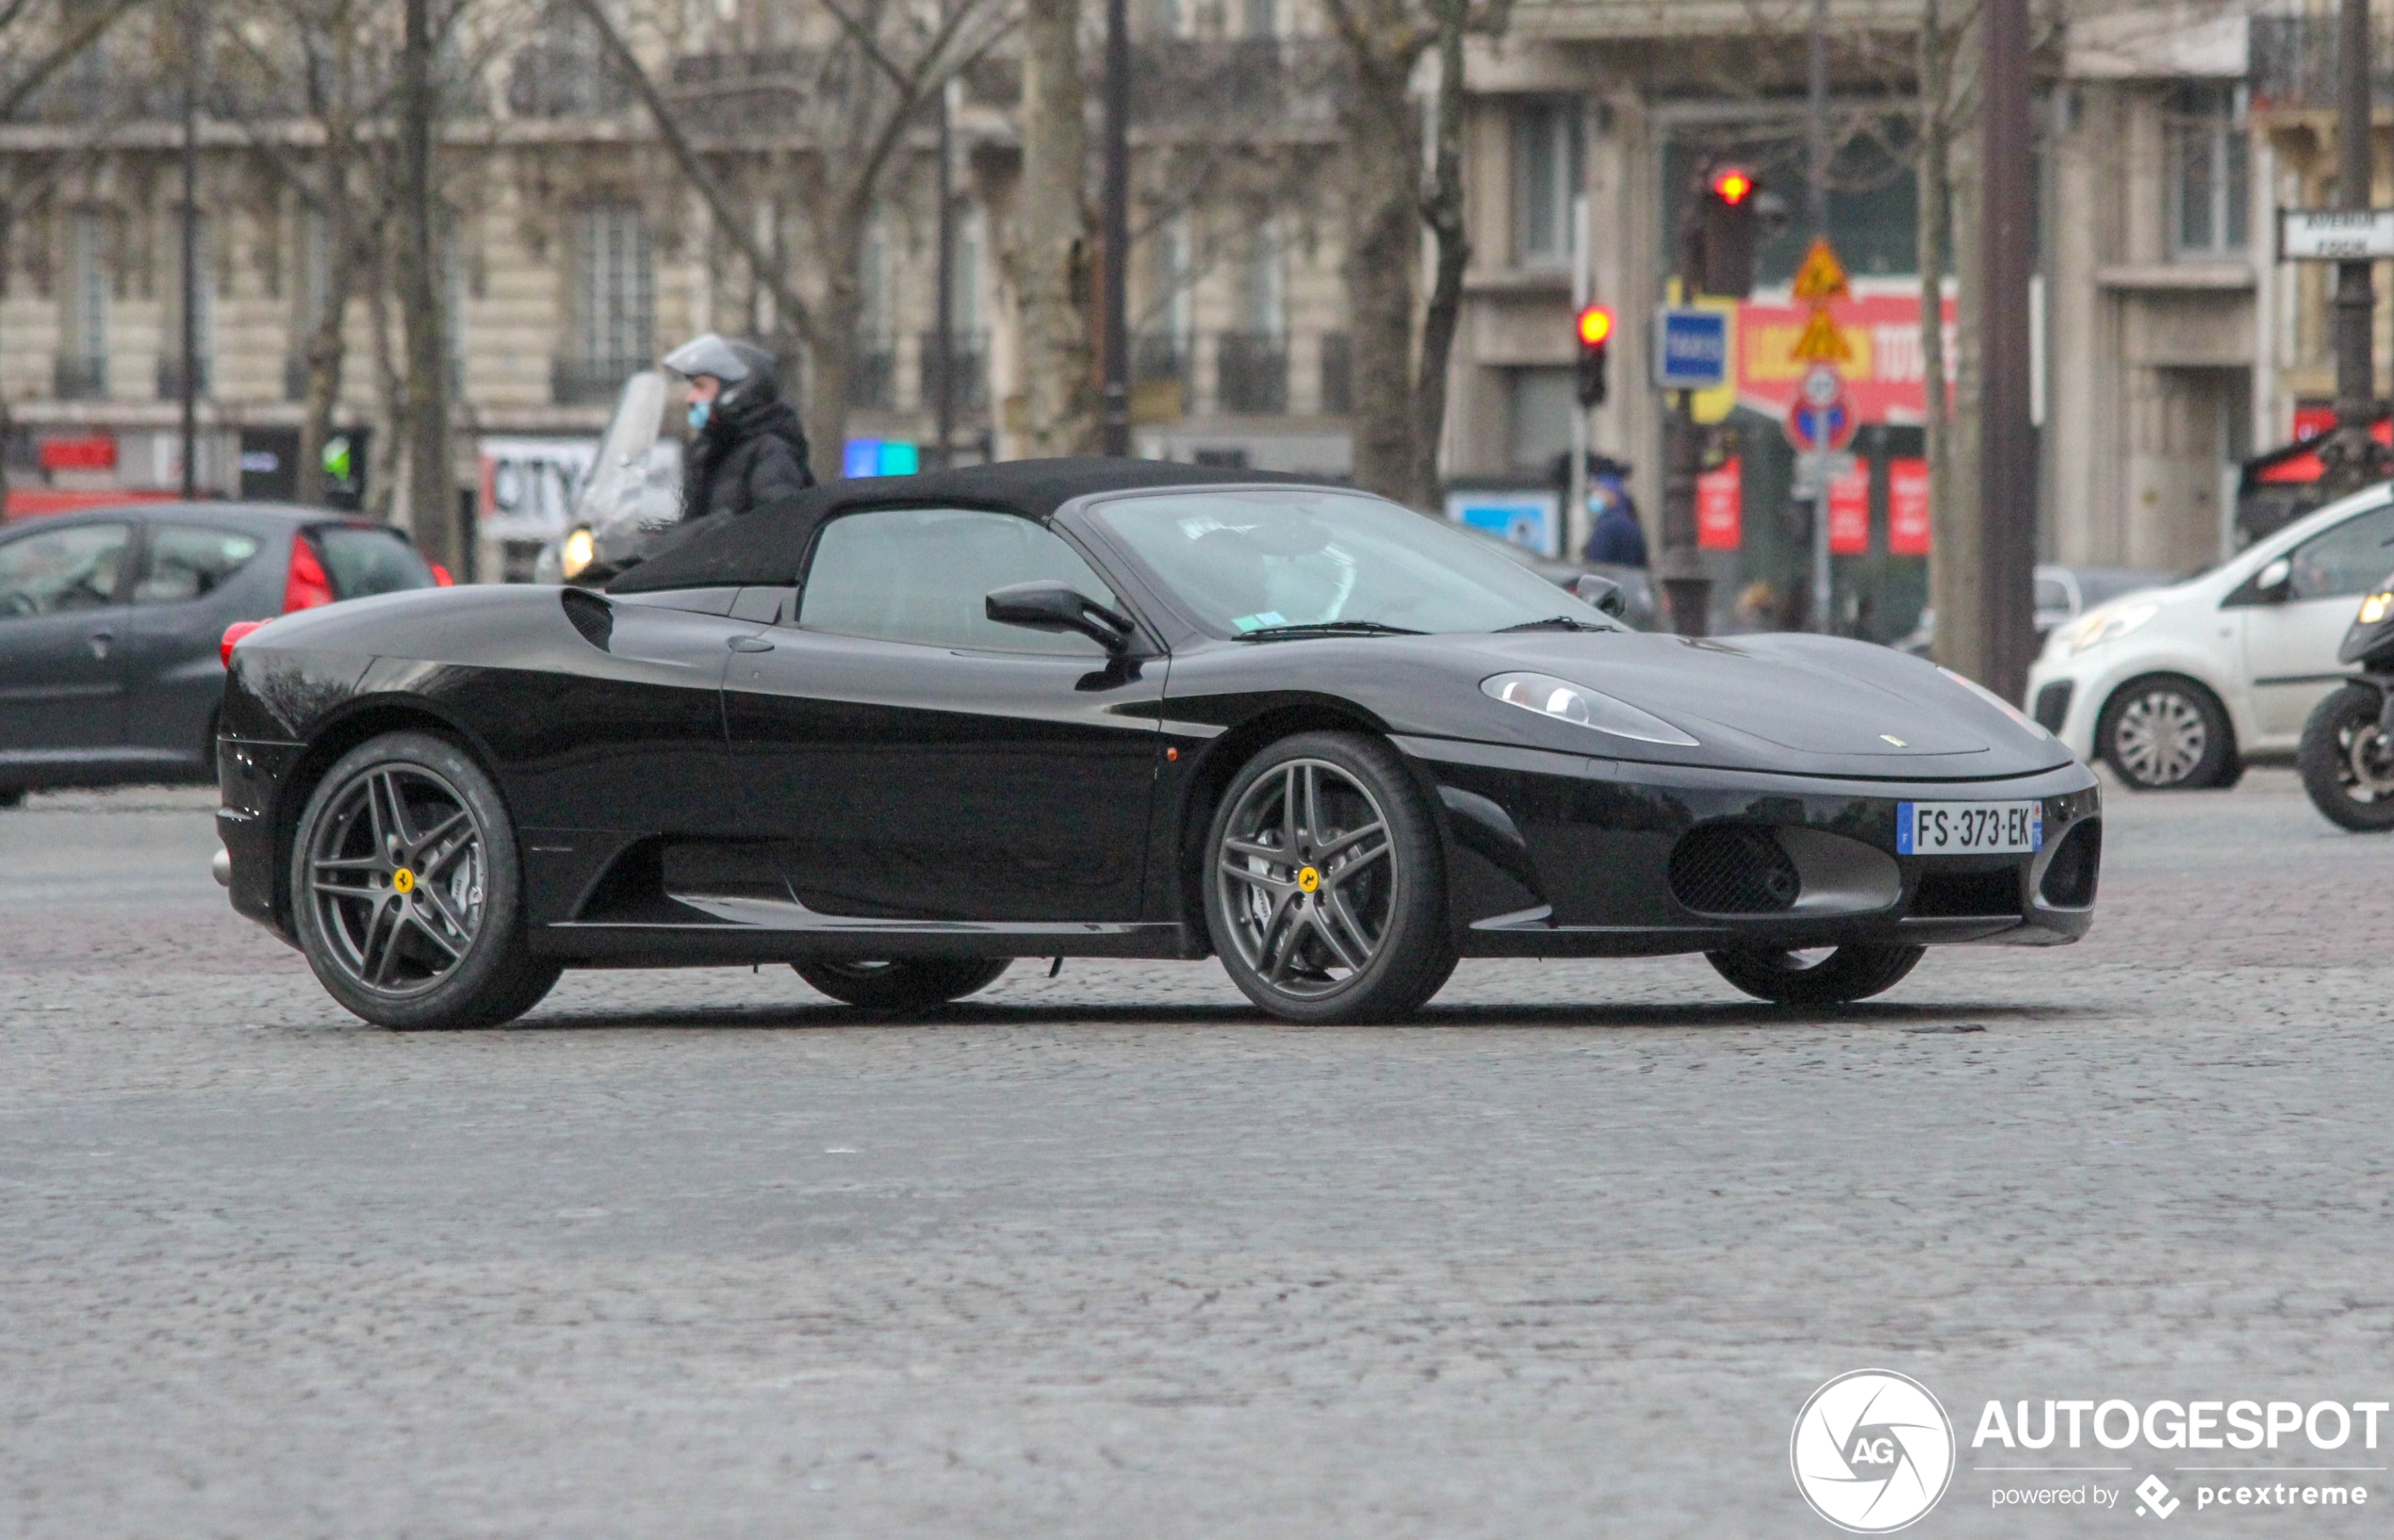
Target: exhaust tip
point(219, 866)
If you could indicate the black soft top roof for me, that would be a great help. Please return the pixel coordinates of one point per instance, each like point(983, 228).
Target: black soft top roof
point(766, 545)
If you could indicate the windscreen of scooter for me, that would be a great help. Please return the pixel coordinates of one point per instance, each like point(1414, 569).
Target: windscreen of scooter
point(618, 501)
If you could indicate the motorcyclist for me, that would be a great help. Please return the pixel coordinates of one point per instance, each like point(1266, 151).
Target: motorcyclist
point(746, 449)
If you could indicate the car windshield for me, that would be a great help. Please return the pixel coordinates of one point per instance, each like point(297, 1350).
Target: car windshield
point(368, 559)
point(1267, 561)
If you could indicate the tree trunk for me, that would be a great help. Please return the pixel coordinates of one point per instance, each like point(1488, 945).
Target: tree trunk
point(390, 392)
point(1934, 180)
point(1384, 245)
point(1050, 251)
point(1442, 210)
point(326, 343)
point(831, 350)
point(429, 478)
point(1957, 558)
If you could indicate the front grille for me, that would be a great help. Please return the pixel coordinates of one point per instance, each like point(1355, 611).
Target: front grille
point(2053, 705)
point(1967, 895)
point(1732, 869)
point(2070, 875)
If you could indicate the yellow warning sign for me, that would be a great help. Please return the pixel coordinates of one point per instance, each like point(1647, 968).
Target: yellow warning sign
point(1822, 277)
point(1821, 341)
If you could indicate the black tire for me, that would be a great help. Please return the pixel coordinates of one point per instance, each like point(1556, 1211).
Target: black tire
point(2347, 763)
point(1786, 979)
point(907, 984)
point(2164, 732)
point(1350, 925)
point(449, 950)
point(11, 796)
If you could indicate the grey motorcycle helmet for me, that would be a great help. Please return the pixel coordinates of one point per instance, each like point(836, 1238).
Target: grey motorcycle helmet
point(744, 368)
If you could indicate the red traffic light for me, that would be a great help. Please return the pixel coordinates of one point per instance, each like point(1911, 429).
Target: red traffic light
point(1732, 185)
point(1596, 325)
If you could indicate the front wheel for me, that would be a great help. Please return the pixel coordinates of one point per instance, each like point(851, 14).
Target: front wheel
point(2347, 763)
point(406, 893)
point(2167, 734)
point(1325, 890)
point(908, 984)
point(1814, 977)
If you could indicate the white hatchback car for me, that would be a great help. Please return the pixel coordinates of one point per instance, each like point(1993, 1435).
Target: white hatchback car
point(2174, 686)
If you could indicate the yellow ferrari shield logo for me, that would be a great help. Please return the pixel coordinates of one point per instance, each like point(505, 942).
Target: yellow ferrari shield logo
point(403, 880)
point(1308, 879)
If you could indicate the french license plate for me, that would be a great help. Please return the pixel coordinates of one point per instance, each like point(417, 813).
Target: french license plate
point(1968, 828)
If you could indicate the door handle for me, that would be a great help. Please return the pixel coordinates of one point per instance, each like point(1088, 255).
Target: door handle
point(101, 642)
point(750, 644)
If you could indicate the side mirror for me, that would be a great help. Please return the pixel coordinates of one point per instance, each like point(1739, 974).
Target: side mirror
point(1601, 593)
point(1059, 607)
point(2270, 584)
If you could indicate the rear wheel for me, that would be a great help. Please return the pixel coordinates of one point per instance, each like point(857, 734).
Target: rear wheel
point(1325, 892)
point(11, 796)
point(2166, 733)
point(907, 984)
point(2346, 762)
point(1820, 976)
point(405, 889)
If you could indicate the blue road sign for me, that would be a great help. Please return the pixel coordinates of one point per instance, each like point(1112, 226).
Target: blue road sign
point(1691, 348)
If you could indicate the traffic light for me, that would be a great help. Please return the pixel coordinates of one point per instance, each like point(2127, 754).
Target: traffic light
point(1732, 199)
point(1594, 327)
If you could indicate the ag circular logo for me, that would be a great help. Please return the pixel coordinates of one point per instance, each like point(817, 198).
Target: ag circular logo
point(1873, 1452)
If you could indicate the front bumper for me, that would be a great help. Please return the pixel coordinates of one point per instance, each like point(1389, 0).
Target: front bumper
point(1556, 855)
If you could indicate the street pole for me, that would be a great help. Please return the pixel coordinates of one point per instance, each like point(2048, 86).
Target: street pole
point(1575, 485)
point(944, 340)
point(1816, 200)
point(188, 386)
point(1117, 232)
point(1687, 589)
point(2007, 479)
point(2352, 459)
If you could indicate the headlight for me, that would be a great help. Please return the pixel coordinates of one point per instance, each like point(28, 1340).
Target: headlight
point(2374, 607)
point(2109, 625)
point(574, 558)
point(1575, 703)
point(1997, 701)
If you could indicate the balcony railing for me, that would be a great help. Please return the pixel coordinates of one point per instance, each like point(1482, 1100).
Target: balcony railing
point(590, 382)
point(171, 379)
point(968, 354)
point(1251, 372)
point(79, 377)
point(2293, 62)
point(551, 80)
point(1337, 374)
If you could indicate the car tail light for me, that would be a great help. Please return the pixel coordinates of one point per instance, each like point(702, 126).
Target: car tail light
point(307, 586)
point(232, 633)
point(440, 576)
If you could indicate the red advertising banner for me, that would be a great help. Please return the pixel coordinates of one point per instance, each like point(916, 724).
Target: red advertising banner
point(1720, 498)
point(1906, 507)
point(1884, 377)
point(1849, 512)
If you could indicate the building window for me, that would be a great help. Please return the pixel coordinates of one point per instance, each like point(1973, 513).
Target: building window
point(612, 303)
point(1546, 178)
point(1262, 18)
point(2209, 189)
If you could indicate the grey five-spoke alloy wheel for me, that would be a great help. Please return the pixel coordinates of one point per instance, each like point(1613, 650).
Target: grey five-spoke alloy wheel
point(1325, 888)
point(2166, 733)
point(406, 893)
point(2347, 763)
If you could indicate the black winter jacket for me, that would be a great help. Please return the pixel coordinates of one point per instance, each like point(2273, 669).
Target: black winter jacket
point(747, 456)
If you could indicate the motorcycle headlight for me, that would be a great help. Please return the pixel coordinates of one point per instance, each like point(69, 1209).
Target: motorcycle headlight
point(2109, 625)
point(2374, 607)
point(573, 558)
point(1997, 701)
point(1583, 707)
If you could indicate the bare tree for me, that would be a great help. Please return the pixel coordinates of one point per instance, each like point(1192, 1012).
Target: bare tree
point(1048, 255)
point(851, 112)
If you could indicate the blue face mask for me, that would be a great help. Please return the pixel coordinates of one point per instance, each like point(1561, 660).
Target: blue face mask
point(698, 414)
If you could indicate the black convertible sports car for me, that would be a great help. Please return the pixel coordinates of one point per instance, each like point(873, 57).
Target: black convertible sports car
point(896, 732)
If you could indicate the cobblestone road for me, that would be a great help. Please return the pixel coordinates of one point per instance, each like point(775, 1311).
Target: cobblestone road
point(699, 1254)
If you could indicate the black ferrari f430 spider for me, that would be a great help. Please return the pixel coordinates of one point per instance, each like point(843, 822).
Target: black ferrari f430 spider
point(897, 732)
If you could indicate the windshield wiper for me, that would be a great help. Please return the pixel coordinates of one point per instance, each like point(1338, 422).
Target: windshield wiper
point(1328, 628)
point(1552, 622)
